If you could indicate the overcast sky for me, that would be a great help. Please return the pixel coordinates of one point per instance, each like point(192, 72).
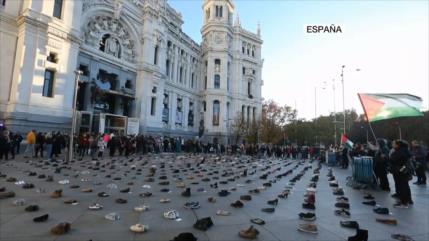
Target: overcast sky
point(387, 40)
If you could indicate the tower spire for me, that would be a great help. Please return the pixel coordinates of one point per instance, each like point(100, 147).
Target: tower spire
point(258, 30)
point(237, 20)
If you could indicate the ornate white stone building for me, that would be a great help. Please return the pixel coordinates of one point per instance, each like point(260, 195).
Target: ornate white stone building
point(138, 68)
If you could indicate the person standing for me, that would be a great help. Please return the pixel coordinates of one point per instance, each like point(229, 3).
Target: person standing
point(419, 155)
point(381, 160)
point(17, 138)
point(345, 158)
point(400, 159)
point(4, 144)
point(40, 144)
point(31, 141)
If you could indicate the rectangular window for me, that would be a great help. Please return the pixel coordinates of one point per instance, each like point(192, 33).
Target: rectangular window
point(192, 80)
point(153, 106)
point(155, 57)
point(205, 82)
point(58, 8)
point(244, 70)
point(52, 57)
point(167, 67)
point(217, 81)
point(48, 83)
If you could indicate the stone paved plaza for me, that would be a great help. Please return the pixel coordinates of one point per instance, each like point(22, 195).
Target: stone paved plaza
point(17, 224)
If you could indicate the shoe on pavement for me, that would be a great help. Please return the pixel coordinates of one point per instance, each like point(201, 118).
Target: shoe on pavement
point(112, 216)
point(245, 197)
point(370, 203)
point(211, 199)
point(171, 214)
point(369, 197)
point(308, 228)
point(381, 210)
point(250, 233)
point(203, 224)
point(40, 219)
point(237, 204)
point(361, 235)
point(342, 213)
point(95, 206)
point(32, 208)
point(273, 202)
point(258, 221)
point(308, 206)
point(389, 221)
point(307, 216)
point(402, 237)
point(349, 224)
point(342, 205)
point(185, 237)
point(139, 228)
point(61, 228)
point(141, 208)
point(221, 212)
point(268, 210)
point(400, 205)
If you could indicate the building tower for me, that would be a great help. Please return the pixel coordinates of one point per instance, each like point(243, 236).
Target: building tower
point(217, 35)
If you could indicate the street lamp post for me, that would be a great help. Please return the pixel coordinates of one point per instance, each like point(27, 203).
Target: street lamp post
point(335, 114)
point(73, 127)
point(344, 108)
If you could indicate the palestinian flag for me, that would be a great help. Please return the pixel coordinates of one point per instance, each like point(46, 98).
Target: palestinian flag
point(387, 106)
point(345, 141)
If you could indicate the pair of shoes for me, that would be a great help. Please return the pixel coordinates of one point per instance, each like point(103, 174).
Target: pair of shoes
point(61, 228)
point(102, 194)
point(342, 213)
point(349, 224)
point(40, 219)
point(192, 205)
point(71, 201)
point(139, 228)
point(307, 216)
point(258, 221)
point(223, 193)
point(121, 201)
point(308, 206)
point(57, 193)
point(273, 202)
point(112, 216)
point(381, 210)
point(145, 194)
point(141, 208)
point(203, 224)
point(369, 197)
point(187, 192)
point(250, 233)
point(389, 221)
point(245, 197)
point(402, 237)
point(171, 214)
point(164, 200)
point(32, 208)
point(95, 206)
point(370, 203)
point(185, 237)
point(237, 204)
point(8, 194)
point(221, 212)
point(268, 210)
point(361, 235)
point(211, 199)
point(308, 228)
point(342, 205)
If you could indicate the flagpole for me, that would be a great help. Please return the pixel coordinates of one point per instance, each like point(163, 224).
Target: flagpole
point(367, 120)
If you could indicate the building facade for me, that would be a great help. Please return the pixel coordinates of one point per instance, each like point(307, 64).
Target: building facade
point(139, 71)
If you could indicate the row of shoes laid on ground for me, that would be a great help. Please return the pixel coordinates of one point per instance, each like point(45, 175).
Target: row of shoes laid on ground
point(309, 203)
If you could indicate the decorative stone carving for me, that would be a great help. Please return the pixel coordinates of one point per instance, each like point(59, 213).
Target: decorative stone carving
point(118, 43)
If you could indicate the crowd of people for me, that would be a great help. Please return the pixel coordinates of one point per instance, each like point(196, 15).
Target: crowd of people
point(398, 158)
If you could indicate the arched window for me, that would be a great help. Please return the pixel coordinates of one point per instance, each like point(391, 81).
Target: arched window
point(217, 65)
point(204, 106)
point(216, 112)
point(248, 49)
point(217, 81)
point(192, 80)
point(253, 51)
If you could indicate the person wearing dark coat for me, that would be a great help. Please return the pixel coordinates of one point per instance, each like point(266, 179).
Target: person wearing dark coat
point(381, 160)
point(40, 143)
point(399, 158)
point(419, 155)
